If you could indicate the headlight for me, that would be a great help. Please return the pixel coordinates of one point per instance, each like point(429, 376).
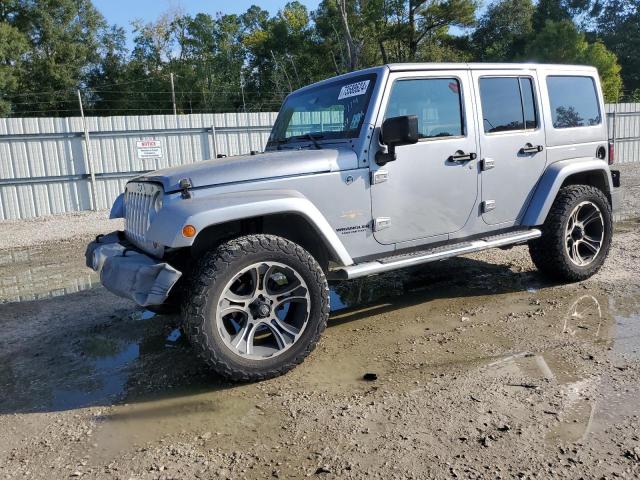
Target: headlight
point(157, 203)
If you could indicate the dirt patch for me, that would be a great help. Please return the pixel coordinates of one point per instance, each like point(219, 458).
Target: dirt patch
point(56, 228)
point(484, 370)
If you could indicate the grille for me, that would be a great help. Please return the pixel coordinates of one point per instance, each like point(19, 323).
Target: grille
point(139, 200)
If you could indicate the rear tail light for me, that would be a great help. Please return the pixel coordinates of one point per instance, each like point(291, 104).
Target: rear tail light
point(611, 153)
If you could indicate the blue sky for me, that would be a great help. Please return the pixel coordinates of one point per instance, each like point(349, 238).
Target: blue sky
point(122, 12)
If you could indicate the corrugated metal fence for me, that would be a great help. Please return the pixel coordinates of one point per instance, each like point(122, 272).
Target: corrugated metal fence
point(624, 128)
point(45, 169)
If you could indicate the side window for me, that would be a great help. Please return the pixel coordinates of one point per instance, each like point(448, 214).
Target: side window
point(435, 101)
point(508, 103)
point(574, 101)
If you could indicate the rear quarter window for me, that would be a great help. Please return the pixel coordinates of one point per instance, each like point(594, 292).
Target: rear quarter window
point(574, 101)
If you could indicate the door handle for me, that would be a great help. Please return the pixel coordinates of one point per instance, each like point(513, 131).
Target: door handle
point(528, 148)
point(460, 157)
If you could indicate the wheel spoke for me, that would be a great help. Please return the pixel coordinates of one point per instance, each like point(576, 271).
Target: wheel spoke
point(288, 290)
point(574, 218)
point(224, 311)
point(244, 339)
point(576, 254)
point(590, 238)
point(231, 298)
point(293, 298)
point(593, 216)
point(285, 327)
point(593, 246)
point(280, 333)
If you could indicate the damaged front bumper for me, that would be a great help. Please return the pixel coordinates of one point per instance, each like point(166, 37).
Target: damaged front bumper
point(129, 273)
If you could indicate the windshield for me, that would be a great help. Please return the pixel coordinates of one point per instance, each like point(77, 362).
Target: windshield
point(331, 111)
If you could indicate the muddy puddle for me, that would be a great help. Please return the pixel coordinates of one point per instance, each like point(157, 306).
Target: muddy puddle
point(463, 317)
point(41, 272)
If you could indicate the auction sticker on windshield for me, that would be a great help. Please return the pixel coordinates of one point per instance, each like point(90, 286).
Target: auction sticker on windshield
point(353, 89)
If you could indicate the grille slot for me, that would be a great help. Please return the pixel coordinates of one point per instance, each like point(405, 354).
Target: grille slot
point(139, 199)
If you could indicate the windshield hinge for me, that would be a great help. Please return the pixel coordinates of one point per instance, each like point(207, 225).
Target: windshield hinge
point(379, 176)
point(381, 223)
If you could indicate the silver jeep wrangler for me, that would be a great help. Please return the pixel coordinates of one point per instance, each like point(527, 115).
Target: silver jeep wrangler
point(380, 169)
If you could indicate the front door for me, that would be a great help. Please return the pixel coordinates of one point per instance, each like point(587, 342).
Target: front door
point(431, 188)
point(512, 143)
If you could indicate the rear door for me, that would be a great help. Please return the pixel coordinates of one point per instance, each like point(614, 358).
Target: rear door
point(512, 142)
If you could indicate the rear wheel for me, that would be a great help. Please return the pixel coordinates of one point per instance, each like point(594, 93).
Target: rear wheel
point(256, 307)
point(576, 235)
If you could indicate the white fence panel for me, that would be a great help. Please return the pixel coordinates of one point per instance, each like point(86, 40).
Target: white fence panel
point(43, 169)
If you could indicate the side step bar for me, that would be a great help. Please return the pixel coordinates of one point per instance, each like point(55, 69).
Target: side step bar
point(434, 254)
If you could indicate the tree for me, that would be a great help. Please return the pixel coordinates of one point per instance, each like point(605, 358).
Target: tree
point(561, 42)
point(13, 45)
point(104, 78)
point(619, 28)
point(62, 45)
point(503, 30)
point(283, 52)
point(368, 32)
point(352, 32)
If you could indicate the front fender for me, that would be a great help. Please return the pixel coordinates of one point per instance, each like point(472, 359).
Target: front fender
point(551, 182)
point(204, 211)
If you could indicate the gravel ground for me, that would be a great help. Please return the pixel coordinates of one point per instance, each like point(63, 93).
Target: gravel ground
point(484, 370)
point(43, 230)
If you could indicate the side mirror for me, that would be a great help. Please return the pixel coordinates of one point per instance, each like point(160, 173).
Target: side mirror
point(395, 132)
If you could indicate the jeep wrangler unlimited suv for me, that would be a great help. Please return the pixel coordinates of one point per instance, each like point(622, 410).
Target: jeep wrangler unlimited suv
point(380, 169)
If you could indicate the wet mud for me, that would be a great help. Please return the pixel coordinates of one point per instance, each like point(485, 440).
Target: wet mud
point(484, 369)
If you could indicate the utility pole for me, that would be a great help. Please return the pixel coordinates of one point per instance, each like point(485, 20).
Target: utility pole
point(173, 95)
point(244, 105)
point(88, 156)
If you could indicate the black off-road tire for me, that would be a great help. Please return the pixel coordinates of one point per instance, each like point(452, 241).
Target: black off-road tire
point(218, 267)
point(549, 253)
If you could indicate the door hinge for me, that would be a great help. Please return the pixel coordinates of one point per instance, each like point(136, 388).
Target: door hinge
point(379, 176)
point(488, 164)
point(488, 205)
point(381, 223)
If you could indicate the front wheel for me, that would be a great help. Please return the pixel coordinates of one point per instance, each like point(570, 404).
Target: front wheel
point(576, 235)
point(256, 307)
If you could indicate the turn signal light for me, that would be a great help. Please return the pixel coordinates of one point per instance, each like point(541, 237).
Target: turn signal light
point(189, 231)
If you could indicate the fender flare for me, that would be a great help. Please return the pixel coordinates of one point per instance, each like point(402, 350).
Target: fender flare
point(205, 211)
point(552, 180)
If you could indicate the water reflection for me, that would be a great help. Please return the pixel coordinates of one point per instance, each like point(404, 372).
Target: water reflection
point(34, 274)
point(588, 400)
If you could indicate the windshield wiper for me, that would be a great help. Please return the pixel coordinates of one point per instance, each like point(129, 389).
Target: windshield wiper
point(306, 136)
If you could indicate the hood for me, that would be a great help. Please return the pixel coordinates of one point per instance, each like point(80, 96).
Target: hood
point(242, 168)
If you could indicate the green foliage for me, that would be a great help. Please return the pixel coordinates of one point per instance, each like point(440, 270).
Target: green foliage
point(62, 45)
point(503, 30)
point(619, 28)
point(561, 42)
point(13, 46)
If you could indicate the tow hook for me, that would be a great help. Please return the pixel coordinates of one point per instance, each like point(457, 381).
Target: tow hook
point(185, 185)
